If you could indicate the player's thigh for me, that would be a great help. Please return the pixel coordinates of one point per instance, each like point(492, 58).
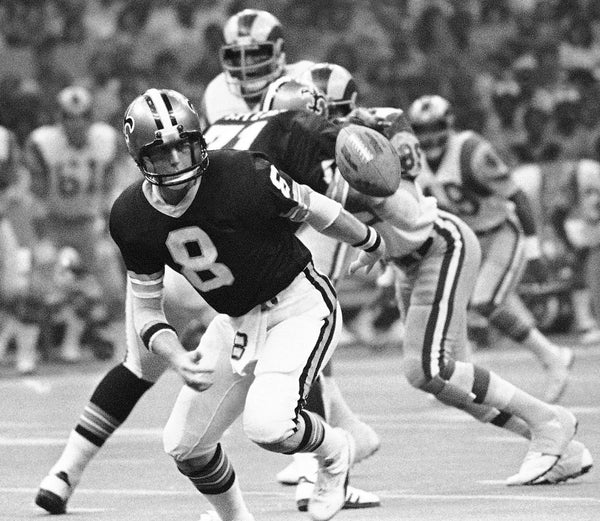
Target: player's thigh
point(501, 267)
point(436, 314)
point(300, 340)
point(198, 419)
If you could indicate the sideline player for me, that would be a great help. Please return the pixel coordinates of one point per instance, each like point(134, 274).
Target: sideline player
point(469, 179)
point(71, 166)
point(18, 320)
point(226, 221)
point(437, 253)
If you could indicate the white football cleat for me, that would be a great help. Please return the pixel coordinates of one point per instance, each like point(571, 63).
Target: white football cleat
point(558, 375)
point(548, 443)
point(329, 493)
point(355, 497)
point(54, 492)
point(575, 462)
point(304, 464)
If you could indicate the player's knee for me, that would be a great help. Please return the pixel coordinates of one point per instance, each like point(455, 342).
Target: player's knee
point(511, 324)
point(270, 410)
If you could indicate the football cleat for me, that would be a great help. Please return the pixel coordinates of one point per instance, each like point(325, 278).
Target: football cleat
point(548, 443)
point(575, 462)
point(329, 493)
point(558, 375)
point(304, 465)
point(54, 492)
point(355, 497)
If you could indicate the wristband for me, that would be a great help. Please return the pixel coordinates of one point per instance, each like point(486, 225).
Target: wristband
point(148, 335)
point(371, 242)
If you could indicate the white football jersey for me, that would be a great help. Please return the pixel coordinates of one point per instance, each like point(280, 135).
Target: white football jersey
point(219, 101)
point(76, 178)
point(471, 182)
point(407, 219)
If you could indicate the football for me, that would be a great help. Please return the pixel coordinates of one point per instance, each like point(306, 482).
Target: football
point(368, 161)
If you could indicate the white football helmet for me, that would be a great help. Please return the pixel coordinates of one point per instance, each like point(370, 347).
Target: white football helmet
point(252, 56)
point(338, 86)
point(157, 122)
point(75, 114)
point(432, 119)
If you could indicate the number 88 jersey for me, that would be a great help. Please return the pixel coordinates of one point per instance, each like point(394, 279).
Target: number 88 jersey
point(471, 182)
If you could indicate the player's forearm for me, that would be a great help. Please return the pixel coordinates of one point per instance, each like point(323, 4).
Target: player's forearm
point(349, 229)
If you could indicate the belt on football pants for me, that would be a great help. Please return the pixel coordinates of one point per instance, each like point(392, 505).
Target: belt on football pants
point(415, 256)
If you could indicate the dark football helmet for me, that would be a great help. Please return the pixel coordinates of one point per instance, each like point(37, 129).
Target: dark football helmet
point(162, 120)
point(289, 94)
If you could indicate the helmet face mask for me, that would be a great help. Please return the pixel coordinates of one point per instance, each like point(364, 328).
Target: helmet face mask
point(432, 121)
point(252, 56)
point(164, 137)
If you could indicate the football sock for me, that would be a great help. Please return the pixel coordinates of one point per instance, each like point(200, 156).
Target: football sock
point(338, 411)
point(213, 475)
point(113, 399)
point(511, 423)
point(544, 350)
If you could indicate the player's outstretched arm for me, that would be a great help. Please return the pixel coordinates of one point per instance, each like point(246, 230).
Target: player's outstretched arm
point(329, 218)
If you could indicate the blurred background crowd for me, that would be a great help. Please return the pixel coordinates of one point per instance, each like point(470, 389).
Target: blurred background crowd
point(524, 73)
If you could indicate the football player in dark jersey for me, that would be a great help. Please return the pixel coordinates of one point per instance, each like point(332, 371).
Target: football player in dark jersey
point(226, 220)
point(295, 132)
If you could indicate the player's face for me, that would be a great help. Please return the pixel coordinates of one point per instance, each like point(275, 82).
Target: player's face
point(169, 159)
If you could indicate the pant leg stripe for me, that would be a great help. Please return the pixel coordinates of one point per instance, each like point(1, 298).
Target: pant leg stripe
point(507, 280)
point(441, 314)
point(326, 334)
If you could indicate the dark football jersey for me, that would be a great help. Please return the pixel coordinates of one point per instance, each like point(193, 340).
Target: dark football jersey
point(232, 243)
point(300, 143)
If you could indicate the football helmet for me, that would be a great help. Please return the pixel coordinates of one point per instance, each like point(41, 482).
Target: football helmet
point(158, 122)
point(252, 55)
point(338, 86)
point(289, 94)
point(432, 119)
point(75, 114)
point(75, 101)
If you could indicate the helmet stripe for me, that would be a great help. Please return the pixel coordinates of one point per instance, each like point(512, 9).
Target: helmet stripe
point(245, 22)
point(161, 112)
point(167, 101)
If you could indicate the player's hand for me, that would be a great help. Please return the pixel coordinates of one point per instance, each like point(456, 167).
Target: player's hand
point(367, 260)
point(196, 372)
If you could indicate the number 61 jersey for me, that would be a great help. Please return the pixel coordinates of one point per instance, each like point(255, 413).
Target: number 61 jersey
point(471, 182)
point(232, 236)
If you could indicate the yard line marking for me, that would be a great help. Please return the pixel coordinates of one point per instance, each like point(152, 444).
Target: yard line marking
point(384, 494)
